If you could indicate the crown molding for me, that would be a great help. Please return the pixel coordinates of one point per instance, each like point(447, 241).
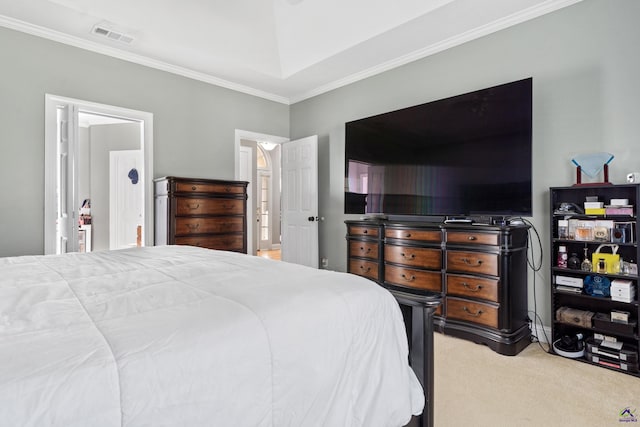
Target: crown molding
point(497, 25)
point(78, 42)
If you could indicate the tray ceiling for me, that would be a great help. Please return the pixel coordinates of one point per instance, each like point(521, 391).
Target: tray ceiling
point(283, 50)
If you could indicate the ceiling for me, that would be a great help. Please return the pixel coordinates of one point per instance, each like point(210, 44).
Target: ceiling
point(283, 50)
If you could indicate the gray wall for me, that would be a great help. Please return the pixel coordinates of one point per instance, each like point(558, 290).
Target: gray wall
point(194, 122)
point(585, 66)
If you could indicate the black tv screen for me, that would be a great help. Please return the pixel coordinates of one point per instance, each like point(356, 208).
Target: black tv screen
point(461, 156)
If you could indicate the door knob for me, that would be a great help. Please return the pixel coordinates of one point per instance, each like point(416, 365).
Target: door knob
point(310, 218)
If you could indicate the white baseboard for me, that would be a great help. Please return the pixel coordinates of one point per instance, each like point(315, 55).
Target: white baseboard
point(543, 333)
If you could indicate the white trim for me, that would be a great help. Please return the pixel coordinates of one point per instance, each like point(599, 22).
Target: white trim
point(502, 23)
point(252, 136)
point(78, 42)
point(541, 332)
point(51, 103)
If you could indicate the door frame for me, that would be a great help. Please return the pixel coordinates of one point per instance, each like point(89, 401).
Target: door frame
point(260, 243)
point(52, 102)
point(251, 213)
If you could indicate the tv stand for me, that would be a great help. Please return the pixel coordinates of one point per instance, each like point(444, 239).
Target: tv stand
point(480, 273)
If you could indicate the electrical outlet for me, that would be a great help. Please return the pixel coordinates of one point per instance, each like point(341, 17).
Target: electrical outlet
point(324, 262)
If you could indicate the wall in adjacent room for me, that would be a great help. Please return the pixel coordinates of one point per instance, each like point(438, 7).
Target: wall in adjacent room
point(584, 64)
point(194, 122)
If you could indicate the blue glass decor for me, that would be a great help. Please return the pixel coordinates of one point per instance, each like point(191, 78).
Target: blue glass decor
point(591, 164)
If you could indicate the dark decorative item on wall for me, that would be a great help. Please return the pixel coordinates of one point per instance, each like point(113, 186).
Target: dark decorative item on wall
point(592, 164)
point(133, 176)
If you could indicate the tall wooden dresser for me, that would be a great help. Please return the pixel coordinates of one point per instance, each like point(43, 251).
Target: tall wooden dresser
point(201, 212)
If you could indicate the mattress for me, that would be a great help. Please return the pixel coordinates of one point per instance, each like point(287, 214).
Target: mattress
point(183, 336)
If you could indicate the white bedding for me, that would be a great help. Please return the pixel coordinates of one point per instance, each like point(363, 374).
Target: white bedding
point(181, 336)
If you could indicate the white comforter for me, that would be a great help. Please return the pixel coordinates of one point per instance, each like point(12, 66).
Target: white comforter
point(181, 336)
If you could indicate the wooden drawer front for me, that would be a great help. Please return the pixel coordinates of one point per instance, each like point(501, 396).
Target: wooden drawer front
point(363, 249)
point(412, 234)
point(474, 287)
point(186, 225)
point(363, 231)
point(201, 187)
point(472, 262)
point(422, 257)
point(189, 206)
point(364, 268)
point(470, 311)
point(472, 238)
point(230, 242)
point(413, 278)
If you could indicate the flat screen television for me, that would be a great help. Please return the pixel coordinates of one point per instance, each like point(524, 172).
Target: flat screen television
point(461, 156)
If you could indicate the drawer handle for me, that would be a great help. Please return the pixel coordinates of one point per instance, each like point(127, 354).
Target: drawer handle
point(409, 279)
point(193, 206)
point(362, 249)
point(408, 235)
point(193, 187)
point(472, 238)
point(468, 261)
point(476, 314)
point(193, 226)
point(366, 270)
point(227, 206)
point(365, 231)
point(476, 289)
point(410, 256)
point(227, 189)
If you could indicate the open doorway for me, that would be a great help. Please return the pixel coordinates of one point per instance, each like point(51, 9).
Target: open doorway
point(258, 162)
point(98, 176)
point(297, 190)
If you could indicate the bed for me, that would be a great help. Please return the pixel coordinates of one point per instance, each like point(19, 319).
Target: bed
point(183, 336)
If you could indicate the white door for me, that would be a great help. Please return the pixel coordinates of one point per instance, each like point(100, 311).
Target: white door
point(66, 176)
point(126, 196)
point(300, 201)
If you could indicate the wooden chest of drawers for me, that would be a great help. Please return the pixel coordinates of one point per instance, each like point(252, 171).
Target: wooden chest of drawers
point(365, 251)
point(201, 212)
point(480, 272)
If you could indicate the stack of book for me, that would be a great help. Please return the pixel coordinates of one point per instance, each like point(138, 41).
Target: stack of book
point(569, 284)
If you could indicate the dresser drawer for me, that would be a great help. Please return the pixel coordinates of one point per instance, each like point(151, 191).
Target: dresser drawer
point(471, 311)
point(474, 287)
point(203, 187)
point(202, 206)
point(423, 257)
point(413, 278)
point(367, 269)
point(413, 234)
point(185, 226)
point(363, 249)
point(472, 262)
point(230, 242)
point(358, 230)
point(474, 238)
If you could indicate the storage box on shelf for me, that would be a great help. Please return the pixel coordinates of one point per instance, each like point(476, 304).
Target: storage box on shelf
point(597, 298)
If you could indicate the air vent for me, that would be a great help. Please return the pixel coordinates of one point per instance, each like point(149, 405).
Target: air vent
point(112, 35)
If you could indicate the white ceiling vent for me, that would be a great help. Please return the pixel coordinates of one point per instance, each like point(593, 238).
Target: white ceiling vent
point(112, 35)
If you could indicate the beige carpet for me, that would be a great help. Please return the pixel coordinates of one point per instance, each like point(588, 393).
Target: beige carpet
point(474, 386)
